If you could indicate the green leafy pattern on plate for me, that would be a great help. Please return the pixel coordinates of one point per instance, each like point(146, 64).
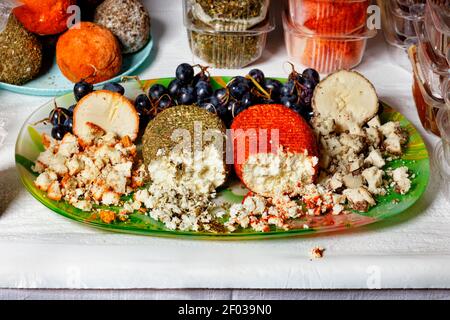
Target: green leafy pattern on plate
point(416, 158)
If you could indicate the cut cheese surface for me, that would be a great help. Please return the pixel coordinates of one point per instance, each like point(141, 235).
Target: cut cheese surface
point(346, 97)
point(275, 150)
point(107, 110)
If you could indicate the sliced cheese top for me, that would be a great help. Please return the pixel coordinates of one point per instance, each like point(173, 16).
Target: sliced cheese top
point(348, 98)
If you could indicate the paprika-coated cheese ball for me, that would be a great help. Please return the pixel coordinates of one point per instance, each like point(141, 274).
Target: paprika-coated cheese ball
point(88, 52)
point(44, 17)
point(275, 150)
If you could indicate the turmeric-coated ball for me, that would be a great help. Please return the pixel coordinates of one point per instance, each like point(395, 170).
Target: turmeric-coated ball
point(88, 52)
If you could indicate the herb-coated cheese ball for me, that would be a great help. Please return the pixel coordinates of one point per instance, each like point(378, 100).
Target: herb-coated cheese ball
point(20, 54)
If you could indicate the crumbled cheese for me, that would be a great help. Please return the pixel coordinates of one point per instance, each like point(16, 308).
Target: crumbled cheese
point(279, 173)
point(374, 179)
point(317, 252)
point(353, 181)
point(45, 179)
point(85, 175)
point(401, 179)
point(68, 145)
point(323, 126)
point(374, 122)
point(261, 213)
point(360, 198)
point(375, 158)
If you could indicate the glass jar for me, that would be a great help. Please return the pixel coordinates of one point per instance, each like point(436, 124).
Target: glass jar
point(228, 15)
point(331, 17)
point(397, 19)
point(427, 105)
point(325, 53)
point(434, 69)
point(226, 49)
point(437, 24)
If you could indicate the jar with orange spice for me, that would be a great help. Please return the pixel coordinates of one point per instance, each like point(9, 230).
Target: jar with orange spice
point(331, 17)
point(323, 52)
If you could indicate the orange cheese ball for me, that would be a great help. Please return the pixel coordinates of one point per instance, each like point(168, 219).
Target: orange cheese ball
point(88, 52)
point(295, 135)
point(44, 17)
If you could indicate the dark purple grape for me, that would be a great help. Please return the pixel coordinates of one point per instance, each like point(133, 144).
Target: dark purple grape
point(258, 75)
point(208, 106)
point(307, 115)
point(244, 80)
point(58, 116)
point(71, 108)
point(81, 89)
point(288, 88)
point(165, 102)
point(142, 104)
point(247, 100)
point(291, 98)
point(59, 131)
point(185, 73)
point(312, 75)
point(201, 76)
point(156, 91)
point(224, 114)
point(187, 95)
point(114, 87)
point(306, 83)
point(234, 108)
point(214, 101)
point(174, 87)
point(289, 101)
point(273, 87)
point(238, 89)
point(222, 94)
point(203, 90)
point(68, 124)
point(269, 101)
point(306, 96)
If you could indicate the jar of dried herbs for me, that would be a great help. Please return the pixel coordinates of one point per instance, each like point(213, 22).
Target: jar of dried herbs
point(229, 15)
point(227, 49)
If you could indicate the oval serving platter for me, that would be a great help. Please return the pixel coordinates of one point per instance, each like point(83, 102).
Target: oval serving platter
point(29, 145)
point(53, 83)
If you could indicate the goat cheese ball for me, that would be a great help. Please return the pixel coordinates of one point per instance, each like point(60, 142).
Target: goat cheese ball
point(128, 20)
point(275, 151)
point(90, 52)
point(185, 146)
point(20, 54)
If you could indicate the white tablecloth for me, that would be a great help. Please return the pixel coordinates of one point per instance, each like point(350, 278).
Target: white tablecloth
point(40, 249)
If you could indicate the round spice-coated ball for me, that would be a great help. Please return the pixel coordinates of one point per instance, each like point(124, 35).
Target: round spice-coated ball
point(88, 52)
point(44, 17)
point(20, 53)
point(128, 20)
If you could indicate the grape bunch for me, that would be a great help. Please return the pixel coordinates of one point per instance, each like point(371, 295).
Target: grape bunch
point(240, 93)
point(190, 87)
point(186, 88)
point(297, 92)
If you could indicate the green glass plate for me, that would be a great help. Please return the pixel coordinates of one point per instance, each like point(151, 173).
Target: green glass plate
point(29, 145)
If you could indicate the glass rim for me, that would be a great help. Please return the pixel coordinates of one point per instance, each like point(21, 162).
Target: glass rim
point(263, 27)
point(296, 30)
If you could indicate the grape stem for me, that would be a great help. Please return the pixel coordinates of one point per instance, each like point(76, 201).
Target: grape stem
point(257, 85)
